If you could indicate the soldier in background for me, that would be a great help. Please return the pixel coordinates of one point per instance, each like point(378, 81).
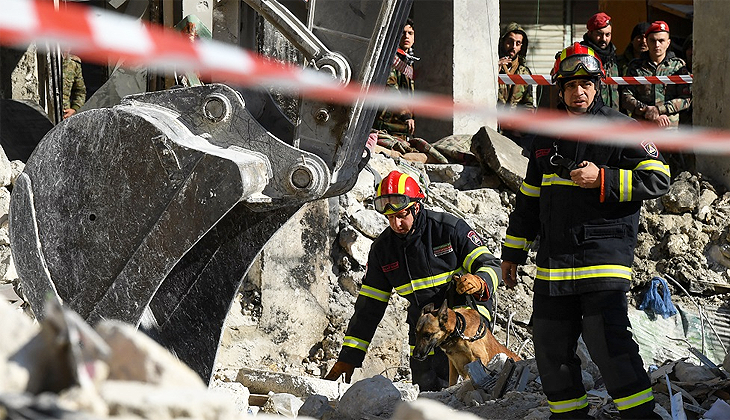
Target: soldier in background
point(396, 127)
point(660, 104)
point(633, 50)
point(74, 88)
point(513, 52)
point(513, 60)
point(598, 38)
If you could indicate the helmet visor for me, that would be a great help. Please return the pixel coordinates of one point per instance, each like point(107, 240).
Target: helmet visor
point(569, 66)
point(394, 202)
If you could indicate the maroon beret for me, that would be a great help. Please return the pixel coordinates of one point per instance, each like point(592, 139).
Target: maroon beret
point(598, 21)
point(658, 26)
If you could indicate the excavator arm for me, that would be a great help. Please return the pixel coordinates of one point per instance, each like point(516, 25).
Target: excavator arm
point(151, 212)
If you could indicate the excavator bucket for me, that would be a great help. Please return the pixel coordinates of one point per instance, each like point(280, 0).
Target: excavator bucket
point(151, 212)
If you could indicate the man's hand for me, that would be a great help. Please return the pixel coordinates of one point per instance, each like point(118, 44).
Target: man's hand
point(662, 121)
point(587, 175)
point(505, 61)
point(68, 112)
point(411, 124)
point(509, 273)
point(468, 283)
point(338, 369)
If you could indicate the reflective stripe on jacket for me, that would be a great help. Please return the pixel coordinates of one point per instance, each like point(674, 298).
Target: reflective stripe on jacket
point(419, 268)
point(587, 236)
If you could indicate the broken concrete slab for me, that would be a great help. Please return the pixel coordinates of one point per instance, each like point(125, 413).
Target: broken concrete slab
point(501, 155)
point(137, 357)
point(263, 381)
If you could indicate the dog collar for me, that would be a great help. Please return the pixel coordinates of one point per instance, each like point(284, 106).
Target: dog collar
point(461, 326)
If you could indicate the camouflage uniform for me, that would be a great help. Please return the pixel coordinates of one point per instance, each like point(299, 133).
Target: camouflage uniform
point(391, 124)
point(670, 99)
point(624, 60)
point(609, 93)
point(515, 95)
point(74, 88)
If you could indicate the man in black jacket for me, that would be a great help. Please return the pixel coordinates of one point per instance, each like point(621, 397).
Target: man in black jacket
point(417, 256)
point(584, 199)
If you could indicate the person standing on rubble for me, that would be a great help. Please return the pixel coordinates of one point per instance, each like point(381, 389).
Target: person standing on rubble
point(74, 88)
point(418, 256)
point(584, 200)
point(396, 127)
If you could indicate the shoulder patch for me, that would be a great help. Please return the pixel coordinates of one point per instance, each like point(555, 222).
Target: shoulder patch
point(443, 249)
point(390, 267)
point(542, 152)
point(474, 238)
point(650, 149)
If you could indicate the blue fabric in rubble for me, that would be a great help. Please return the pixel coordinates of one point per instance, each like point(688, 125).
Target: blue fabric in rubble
point(658, 301)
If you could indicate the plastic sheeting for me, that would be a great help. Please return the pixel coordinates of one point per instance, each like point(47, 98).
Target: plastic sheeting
point(670, 339)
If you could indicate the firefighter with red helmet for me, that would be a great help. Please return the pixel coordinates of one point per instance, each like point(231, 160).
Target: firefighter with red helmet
point(417, 257)
point(584, 200)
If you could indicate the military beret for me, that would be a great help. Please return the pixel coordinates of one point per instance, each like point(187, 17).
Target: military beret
point(598, 21)
point(658, 26)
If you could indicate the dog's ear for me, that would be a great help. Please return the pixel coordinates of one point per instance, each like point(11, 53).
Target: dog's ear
point(444, 313)
point(427, 309)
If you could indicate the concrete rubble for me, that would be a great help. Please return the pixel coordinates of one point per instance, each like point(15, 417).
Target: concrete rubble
point(285, 328)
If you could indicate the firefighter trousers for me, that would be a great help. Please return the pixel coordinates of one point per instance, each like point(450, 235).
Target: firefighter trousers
point(431, 374)
point(602, 318)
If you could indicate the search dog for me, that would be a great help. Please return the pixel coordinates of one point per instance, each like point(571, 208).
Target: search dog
point(461, 333)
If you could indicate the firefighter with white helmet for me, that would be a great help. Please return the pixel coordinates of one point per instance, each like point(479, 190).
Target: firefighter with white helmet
point(584, 200)
point(417, 257)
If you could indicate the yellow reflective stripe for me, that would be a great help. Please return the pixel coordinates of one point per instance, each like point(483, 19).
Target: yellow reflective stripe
point(529, 190)
point(575, 273)
point(431, 353)
point(476, 253)
point(485, 312)
point(355, 343)
point(553, 179)
point(492, 275)
point(374, 293)
point(634, 400)
point(517, 243)
point(425, 283)
point(625, 177)
point(402, 183)
point(653, 165)
point(568, 405)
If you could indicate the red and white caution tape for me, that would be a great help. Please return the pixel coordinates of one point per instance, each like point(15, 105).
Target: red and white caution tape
point(99, 36)
point(541, 79)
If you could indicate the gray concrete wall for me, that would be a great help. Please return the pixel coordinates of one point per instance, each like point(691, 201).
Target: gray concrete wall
point(457, 44)
point(711, 90)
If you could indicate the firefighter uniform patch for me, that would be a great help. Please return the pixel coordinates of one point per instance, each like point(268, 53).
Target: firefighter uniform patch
point(475, 238)
point(443, 249)
point(650, 149)
point(390, 267)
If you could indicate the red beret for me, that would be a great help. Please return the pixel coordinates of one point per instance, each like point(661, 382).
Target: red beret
point(658, 26)
point(598, 21)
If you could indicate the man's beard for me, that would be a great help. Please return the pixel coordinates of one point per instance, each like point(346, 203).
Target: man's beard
point(577, 110)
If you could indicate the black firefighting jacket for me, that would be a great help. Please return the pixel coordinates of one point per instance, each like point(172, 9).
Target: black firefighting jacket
point(419, 267)
point(587, 236)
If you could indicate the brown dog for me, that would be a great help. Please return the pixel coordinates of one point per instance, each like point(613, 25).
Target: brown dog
point(457, 333)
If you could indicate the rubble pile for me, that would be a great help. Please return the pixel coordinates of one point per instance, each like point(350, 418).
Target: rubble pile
point(286, 326)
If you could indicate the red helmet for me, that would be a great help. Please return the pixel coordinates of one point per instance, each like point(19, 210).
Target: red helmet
point(577, 60)
point(396, 192)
